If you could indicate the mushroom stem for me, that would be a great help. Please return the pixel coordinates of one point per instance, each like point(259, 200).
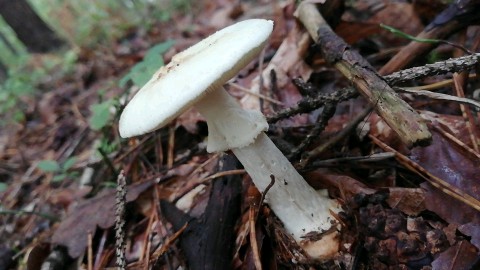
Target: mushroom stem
point(301, 208)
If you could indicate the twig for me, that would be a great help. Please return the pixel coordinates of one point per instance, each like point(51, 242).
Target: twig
point(120, 221)
point(441, 96)
point(376, 160)
point(246, 90)
point(403, 120)
point(264, 193)
point(252, 220)
point(342, 134)
point(100, 250)
point(438, 85)
point(322, 121)
point(169, 242)
point(459, 83)
point(90, 251)
point(253, 238)
point(442, 67)
point(171, 146)
point(309, 104)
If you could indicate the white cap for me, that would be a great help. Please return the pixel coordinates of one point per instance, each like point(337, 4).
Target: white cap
point(193, 73)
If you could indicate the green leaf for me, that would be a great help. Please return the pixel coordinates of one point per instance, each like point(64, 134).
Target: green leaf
point(48, 166)
point(3, 187)
point(69, 163)
point(59, 178)
point(141, 73)
point(109, 184)
point(100, 115)
point(160, 48)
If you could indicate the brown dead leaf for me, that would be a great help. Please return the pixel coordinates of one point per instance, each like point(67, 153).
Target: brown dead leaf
point(369, 14)
point(347, 185)
point(410, 201)
point(287, 63)
point(472, 230)
point(352, 32)
point(445, 160)
point(98, 211)
point(459, 257)
point(66, 196)
point(448, 162)
point(447, 207)
point(401, 16)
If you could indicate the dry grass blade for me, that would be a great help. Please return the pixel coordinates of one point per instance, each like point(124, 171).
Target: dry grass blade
point(459, 82)
point(458, 142)
point(440, 96)
point(168, 243)
point(253, 238)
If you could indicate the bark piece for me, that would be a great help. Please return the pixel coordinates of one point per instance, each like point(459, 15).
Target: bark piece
point(208, 242)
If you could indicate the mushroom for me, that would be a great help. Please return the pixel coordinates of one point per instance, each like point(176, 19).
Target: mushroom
point(195, 77)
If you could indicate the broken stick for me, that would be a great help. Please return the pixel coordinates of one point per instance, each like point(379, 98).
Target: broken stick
point(405, 122)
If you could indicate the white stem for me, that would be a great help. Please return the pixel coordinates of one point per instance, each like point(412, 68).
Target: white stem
point(300, 207)
point(294, 201)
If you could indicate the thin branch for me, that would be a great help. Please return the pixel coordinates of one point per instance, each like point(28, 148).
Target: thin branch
point(322, 121)
point(120, 221)
point(403, 120)
point(335, 139)
point(309, 104)
point(463, 63)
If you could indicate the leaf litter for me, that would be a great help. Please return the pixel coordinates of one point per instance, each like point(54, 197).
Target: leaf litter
point(393, 217)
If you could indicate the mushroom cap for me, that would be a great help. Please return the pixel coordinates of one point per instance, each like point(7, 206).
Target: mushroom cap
point(192, 74)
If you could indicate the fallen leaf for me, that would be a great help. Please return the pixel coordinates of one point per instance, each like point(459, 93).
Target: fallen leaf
point(98, 211)
point(472, 230)
point(287, 63)
point(459, 257)
point(447, 161)
point(410, 201)
point(447, 207)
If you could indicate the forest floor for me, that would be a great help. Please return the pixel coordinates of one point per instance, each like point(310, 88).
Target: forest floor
point(406, 202)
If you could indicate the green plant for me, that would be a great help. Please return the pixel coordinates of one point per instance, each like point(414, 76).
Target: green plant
point(143, 71)
point(88, 23)
point(106, 146)
point(101, 114)
point(3, 187)
point(23, 79)
point(60, 171)
point(18, 84)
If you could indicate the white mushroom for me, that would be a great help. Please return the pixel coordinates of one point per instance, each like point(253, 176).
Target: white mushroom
point(195, 77)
